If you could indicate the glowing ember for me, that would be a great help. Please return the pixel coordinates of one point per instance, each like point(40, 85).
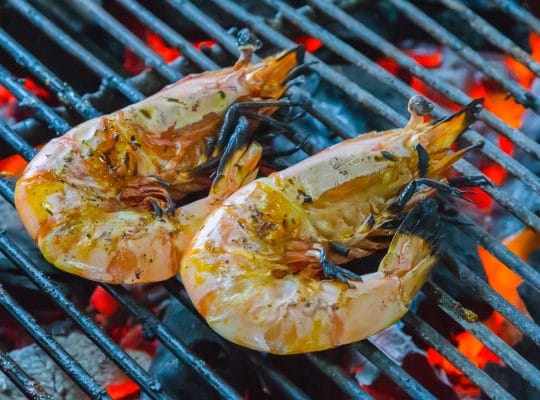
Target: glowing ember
point(124, 391)
point(12, 166)
point(103, 302)
point(505, 281)
point(310, 43)
point(9, 105)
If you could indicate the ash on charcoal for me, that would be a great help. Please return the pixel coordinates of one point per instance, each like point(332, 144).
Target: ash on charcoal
point(36, 363)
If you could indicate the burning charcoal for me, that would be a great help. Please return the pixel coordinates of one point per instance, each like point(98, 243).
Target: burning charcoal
point(179, 379)
point(36, 363)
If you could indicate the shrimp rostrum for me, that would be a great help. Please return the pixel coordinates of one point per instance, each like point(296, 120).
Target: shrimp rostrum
point(101, 201)
point(264, 270)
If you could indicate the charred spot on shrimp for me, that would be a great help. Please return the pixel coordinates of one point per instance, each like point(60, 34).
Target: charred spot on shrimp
point(146, 113)
point(388, 156)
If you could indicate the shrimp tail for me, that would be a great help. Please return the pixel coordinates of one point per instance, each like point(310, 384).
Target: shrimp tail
point(415, 244)
point(271, 74)
point(441, 134)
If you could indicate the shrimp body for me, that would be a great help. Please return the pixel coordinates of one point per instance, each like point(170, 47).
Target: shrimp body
point(255, 270)
point(100, 200)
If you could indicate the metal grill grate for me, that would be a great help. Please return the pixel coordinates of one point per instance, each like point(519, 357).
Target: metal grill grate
point(339, 46)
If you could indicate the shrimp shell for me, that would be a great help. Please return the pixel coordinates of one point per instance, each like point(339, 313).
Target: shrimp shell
point(100, 200)
point(255, 269)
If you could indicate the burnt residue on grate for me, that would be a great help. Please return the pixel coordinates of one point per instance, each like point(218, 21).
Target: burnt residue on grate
point(87, 77)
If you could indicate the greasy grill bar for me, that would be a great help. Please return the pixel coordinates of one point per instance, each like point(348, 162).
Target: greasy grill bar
point(68, 96)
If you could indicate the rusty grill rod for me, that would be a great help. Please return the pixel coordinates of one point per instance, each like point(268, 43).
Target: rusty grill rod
point(423, 21)
point(376, 41)
point(62, 358)
point(511, 8)
point(493, 35)
point(109, 77)
point(27, 385)
point(63, 91)
point(349, 87)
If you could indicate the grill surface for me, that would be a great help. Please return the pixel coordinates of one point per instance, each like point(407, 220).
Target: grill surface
point(55, 120)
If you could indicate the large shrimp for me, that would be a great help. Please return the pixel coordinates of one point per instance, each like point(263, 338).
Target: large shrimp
point(263, 268)
point(100, 200)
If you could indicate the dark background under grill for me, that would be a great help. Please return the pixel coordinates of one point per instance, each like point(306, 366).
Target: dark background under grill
point(99, 72)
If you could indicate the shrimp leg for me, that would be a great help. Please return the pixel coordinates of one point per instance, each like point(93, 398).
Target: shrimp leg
point(238, 165)
point(236, 110)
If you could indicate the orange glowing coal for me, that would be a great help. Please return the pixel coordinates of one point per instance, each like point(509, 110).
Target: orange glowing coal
point(505, 282)
point(126, 390)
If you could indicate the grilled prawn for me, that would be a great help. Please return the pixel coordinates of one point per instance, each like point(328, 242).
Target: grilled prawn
point(263, 270)
point(100, 200)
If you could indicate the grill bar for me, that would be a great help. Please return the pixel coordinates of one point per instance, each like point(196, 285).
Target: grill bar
point(152, 325)
point(16, 142)
point(209, 25)
point(426, 23)
point(107, 22)
point(169, 35)
point(62, 358)
point(379, 73)
point(71, 46)
point(148, 384)
point(286, 387)
point(257, 24)
point(492, 35)
point(494, 299)
point(518, 13)
point(27, 99)
point(392, 370)
point(345, 382)
point(463, 317)
point(376, 41)
point(24, 383)
point(63, 91)
point(491, 388)
point(501, 252)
